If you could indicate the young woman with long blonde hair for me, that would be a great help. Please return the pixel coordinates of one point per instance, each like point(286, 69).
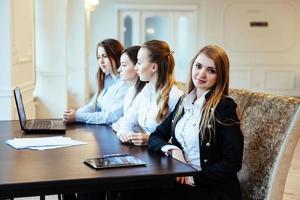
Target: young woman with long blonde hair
point(205, 132)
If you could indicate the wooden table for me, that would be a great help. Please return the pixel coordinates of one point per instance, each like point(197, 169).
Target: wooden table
point(32, 172)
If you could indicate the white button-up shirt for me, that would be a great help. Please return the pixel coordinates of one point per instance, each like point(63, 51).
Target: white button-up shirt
point(187, 128)
point(187, 131)
point(109, 103)
point(144, 109)
point(128, 99)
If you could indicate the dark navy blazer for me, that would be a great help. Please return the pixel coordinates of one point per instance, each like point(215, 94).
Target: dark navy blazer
point(221, 156)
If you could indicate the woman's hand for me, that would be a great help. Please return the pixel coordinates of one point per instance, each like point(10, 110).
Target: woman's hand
point(124, 137)
point(69, 115)
point(139, 139)
point(183, 179)
point(178, 155)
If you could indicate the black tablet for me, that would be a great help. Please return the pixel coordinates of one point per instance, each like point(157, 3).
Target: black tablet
point(114, 160)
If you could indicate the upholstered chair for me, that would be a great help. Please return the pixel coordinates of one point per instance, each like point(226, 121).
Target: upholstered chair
point(271, 128)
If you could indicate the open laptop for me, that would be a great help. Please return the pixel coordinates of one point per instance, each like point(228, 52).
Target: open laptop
point(37, 125)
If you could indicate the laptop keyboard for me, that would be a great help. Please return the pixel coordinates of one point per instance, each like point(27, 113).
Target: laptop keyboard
point(42, 125)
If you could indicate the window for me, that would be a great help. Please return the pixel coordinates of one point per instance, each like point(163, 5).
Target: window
point(174, 24)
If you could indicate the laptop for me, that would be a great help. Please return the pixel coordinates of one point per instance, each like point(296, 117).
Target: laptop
point(37, 125)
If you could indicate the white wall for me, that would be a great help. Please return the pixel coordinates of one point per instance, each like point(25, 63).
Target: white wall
point(262, 59)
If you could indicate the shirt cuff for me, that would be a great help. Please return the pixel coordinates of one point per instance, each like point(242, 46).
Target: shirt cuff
point(191, 181)
point(168, 147)
point(115, 126)
point(124, 132)
point(80, 117)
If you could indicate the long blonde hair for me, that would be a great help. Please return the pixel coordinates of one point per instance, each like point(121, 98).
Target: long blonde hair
point(220, 58)
point(160, 53)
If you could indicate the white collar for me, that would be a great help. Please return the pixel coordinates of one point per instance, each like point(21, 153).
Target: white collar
point(150, 88)
point(114, 77)
point(190, 103)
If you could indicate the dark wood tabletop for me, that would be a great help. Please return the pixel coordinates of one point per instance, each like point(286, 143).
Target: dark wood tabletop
point(32, 172)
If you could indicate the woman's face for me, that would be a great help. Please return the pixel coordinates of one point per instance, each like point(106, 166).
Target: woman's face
point(204, 74)
point(127, 71)
point(103, 61)
point(145, 69)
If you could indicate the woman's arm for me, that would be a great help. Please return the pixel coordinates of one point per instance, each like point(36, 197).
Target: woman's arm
point(70, 113)
point(90, 107)
point(162, 134)
point(106, 116)
point(130, 119)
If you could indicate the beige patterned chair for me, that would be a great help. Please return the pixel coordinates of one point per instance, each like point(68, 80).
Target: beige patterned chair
point(271, 128)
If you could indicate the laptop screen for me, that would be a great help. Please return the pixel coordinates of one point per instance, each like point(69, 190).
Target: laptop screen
point(20, 106)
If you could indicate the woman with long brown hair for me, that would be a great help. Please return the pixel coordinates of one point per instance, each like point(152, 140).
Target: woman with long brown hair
point(157, 99)
point(205, 131)
point(106, 106)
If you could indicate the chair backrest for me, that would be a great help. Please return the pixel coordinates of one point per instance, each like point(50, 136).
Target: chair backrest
point(271, 128)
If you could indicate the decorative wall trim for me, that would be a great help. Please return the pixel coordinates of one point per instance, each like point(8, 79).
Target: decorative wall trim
point(19, 58)
point(24, 87)
point(239, 65)
point(241, 74)
point(179, 7)
point(287, 79)
point(70, 69)
point(30, 85)
point(50, 73)
point(22, 59)
point(260, 12)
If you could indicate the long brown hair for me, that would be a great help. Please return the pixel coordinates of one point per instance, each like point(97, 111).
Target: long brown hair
point(132, 54)
point(220, 58)
point(113, 49)
point(160, 53)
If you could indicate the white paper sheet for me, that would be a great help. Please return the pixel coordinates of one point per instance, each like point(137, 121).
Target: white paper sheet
point(43, 143)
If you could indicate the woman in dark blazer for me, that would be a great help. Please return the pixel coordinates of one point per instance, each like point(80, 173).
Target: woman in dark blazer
point(205, 132)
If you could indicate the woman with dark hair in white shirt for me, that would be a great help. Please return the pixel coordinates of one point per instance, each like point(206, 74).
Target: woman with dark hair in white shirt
point(106, 106)
point(157, 99)
point(129, 75)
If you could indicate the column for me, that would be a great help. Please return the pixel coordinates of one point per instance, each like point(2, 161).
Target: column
point(5, 62)
point(51, 59)
point(16, 56)
point(77, 52)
